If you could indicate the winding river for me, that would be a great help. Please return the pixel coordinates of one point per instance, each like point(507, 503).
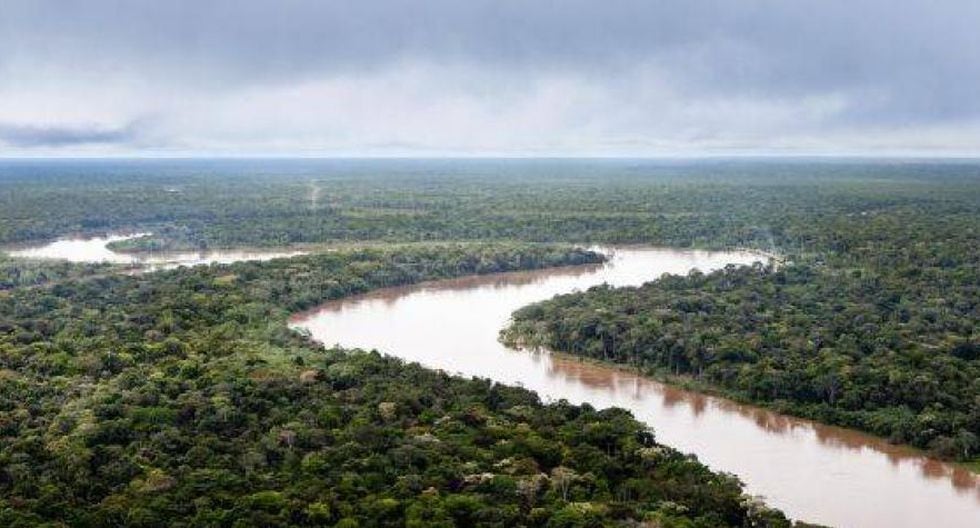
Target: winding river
point(812, 472)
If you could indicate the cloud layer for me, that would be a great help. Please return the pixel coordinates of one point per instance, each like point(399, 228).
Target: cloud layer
point(571, 77)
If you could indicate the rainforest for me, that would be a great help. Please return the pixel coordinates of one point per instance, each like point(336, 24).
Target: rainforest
point(182, 396)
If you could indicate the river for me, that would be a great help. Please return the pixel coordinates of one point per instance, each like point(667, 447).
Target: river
point(812, 472)
point(93, 249)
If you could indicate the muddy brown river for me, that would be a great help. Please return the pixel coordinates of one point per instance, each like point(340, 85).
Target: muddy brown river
point(812, 472)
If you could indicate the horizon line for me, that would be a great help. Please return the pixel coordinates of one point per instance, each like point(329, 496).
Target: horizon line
point(502, 157)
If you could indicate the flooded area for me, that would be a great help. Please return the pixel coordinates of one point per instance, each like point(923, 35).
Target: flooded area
point(812, 472)
point(94, 249)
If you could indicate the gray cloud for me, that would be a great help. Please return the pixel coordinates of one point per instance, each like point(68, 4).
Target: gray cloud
point(872, 64)
point(57, 136)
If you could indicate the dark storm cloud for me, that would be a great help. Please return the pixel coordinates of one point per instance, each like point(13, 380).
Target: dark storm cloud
point(55, 136)
point(896, 63)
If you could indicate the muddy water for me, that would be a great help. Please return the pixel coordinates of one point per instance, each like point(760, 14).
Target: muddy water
point(95, 250)
point(812, 472)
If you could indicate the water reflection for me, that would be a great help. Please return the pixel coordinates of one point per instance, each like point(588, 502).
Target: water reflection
point(814, 472)
point(94, 249)
point(602, 377)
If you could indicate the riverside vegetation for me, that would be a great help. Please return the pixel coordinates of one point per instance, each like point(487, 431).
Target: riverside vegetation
point(181, 395)
point(180, 398)
point(876, 328)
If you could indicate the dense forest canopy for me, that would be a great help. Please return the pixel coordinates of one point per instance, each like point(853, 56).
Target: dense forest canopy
point(783, 206)
point(180, 398)
point(856, 349)
point(182, 394)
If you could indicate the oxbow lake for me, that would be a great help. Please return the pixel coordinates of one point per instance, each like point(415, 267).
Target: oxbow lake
point(93, 249)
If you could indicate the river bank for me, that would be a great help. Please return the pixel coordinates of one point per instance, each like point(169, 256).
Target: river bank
point(811, 471)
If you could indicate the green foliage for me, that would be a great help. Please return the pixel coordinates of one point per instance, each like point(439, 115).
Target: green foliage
point(181, 395)
point(15, 273)
point(878, 334)
point(180, 398)
point(192, 204)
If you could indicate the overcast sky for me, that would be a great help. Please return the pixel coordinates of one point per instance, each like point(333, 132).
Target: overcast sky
point(475, 77)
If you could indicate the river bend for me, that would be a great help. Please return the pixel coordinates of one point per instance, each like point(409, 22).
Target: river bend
point(811, 471)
